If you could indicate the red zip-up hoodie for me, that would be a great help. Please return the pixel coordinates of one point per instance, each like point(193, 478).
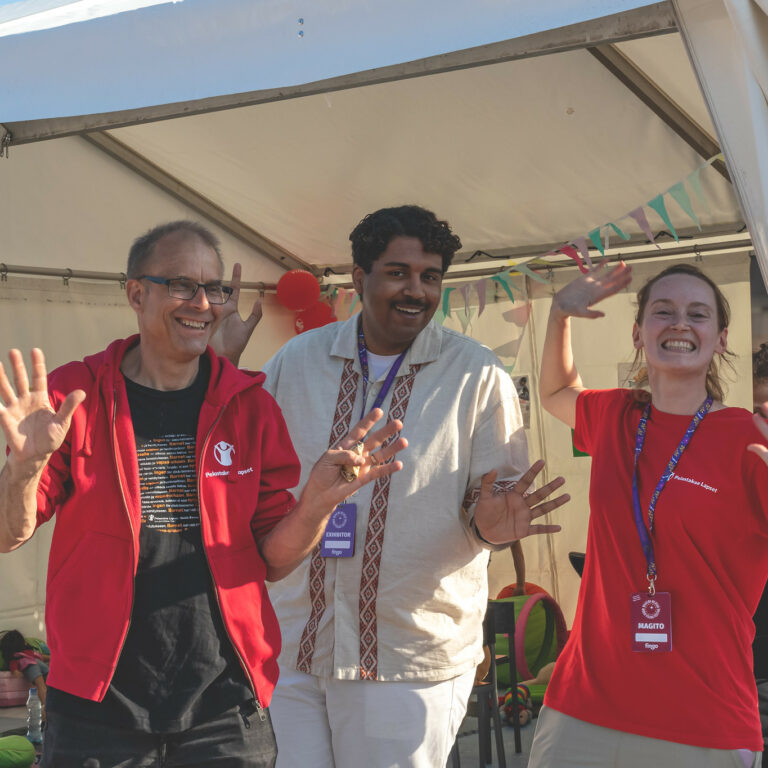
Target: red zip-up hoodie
point(245, 462)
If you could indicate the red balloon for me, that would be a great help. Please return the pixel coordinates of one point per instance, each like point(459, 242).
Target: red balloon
point(314, 317)
point(298, 289)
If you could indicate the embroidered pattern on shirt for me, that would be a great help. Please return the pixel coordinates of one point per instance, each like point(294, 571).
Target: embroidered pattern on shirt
point(341, 423)
point(374, 542)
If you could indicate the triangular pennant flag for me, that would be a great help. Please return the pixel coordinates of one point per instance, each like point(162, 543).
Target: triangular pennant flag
point(572, 253)
point(684, 201)
point(514, 286)
point(439, 317)
point(510, 348)
point(642, 221)
point(620, 232)
point(594, 236)
point(581, 244)
point(464, 290)
point(695, 181)
point(354, 303)
point(447, 301)
point(502, 280)
point(480, 287)
point(518, 315)
point(533, 275)
point(464, 318)
point(658, 205)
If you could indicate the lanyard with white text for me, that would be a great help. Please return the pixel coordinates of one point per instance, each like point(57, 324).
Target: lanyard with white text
point(385, 387)
point(645, 534)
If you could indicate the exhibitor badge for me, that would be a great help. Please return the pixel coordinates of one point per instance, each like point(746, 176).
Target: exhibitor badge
point(339, 536)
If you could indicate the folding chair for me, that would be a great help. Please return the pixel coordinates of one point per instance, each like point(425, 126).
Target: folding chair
point(499, 618)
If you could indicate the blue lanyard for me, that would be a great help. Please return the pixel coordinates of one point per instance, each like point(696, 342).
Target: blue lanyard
point(386, 386)
point(645, 534)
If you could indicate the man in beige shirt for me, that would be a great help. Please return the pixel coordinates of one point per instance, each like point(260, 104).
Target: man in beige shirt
point(382, 623)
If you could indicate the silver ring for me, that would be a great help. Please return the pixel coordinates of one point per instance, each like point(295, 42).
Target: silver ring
point(373, 458)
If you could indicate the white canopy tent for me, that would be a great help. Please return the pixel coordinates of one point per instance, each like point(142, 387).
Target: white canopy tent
point(525, 125)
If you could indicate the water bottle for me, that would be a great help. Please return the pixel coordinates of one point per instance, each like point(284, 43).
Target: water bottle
point(34, 717)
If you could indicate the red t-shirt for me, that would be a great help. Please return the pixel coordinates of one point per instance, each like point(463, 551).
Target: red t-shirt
point(711, 545)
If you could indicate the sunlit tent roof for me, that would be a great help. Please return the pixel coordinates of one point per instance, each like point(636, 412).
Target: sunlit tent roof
point(521, 123)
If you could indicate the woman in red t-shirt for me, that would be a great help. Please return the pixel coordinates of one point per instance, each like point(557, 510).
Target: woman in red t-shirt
point(658, 667)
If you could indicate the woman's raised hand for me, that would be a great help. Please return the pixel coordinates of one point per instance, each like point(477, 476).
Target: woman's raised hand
point(33, 430)
point(576, 298)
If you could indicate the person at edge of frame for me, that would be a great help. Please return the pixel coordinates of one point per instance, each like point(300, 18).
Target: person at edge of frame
point(676, 549)
point(167, 470)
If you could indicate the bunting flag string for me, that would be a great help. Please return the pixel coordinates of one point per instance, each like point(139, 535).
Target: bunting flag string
point(577, 249)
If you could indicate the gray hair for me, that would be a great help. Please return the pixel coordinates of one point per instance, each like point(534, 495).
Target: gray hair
point(141, 250)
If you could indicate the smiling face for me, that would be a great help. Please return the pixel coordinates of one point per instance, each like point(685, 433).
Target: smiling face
point(679, 330)
point(176, 330)
point(400, 294)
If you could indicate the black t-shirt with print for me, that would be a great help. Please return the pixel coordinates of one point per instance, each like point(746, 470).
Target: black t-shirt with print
point(177, 667)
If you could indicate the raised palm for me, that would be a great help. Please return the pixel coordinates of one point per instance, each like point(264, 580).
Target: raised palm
point(32, 429)
point(504, 517)
point(326, 482)
point(576, 298)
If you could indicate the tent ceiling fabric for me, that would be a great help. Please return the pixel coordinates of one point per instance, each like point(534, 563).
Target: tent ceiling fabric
point(518, 154)
point(195, 49)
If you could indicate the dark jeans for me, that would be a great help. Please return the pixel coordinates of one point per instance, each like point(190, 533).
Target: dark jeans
point(235, 739)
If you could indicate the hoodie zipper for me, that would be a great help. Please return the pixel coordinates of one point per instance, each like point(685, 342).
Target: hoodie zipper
point(130, 521)
point(259, 708)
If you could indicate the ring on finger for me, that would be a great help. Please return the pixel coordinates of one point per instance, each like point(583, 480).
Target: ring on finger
point(374, 459)
point(350, 471)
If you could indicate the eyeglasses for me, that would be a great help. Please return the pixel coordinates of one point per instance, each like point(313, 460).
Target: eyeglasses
point(182, 288)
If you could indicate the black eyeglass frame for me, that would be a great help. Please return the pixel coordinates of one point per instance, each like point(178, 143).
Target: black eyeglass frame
point(166, 281)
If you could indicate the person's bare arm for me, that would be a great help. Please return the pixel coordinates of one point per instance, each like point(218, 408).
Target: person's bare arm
point(518, 561)
point(294, 537)
point(33, 431)
point(560, 383)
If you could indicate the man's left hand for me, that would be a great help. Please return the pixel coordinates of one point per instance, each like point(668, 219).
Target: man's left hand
point(232, 333)
point(509, 516)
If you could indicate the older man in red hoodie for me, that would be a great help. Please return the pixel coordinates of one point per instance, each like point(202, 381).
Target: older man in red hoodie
point(167, 469)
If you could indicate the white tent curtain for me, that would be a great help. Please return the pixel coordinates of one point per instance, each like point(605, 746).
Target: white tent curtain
point(727, 41)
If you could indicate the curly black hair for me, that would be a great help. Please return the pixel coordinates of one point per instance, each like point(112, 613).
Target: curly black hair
point(373, 234)
point(760, 362)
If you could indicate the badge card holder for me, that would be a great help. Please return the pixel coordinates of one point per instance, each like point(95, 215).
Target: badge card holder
point(651, 622)
point(339, 535)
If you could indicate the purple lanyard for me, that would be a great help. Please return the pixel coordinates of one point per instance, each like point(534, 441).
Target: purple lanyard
point(645, 534)
point(386, 386)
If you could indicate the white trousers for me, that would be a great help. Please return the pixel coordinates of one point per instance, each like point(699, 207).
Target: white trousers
point(327, 723)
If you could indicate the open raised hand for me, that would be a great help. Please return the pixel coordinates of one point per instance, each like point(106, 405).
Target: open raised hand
point(576, 298)
point(33, 430)
point(232, 333)
point(371, 454)
point(505, 517)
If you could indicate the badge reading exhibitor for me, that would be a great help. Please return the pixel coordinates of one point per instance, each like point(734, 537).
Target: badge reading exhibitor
point(339, 536)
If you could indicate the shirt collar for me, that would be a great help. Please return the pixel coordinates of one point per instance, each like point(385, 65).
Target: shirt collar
point(424, 349)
